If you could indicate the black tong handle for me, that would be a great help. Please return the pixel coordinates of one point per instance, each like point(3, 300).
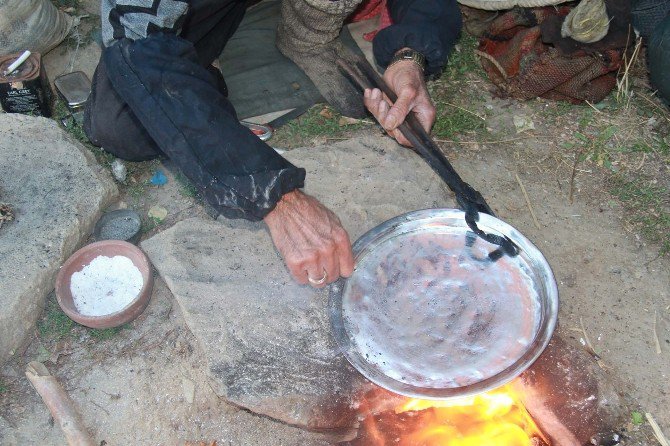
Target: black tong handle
point(469, 199)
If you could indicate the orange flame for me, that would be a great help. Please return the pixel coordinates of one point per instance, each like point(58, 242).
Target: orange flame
point(496, 418)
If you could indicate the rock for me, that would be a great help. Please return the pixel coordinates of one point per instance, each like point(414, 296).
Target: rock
point(119, 170)
point(158, 213)
point(569, 396)
point(56, 190)
point(189, 390)
point(523, 123)
point(268, 340)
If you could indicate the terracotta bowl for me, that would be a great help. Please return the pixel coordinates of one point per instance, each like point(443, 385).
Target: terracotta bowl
point(83, 257)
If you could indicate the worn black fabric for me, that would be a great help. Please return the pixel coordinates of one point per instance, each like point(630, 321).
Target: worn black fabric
point(154, 97)
point(658, 56)
point(647, 14)
point(110, 123)
point(178, 103)
point(210, 24)
point(428, 26)
point(154, 93)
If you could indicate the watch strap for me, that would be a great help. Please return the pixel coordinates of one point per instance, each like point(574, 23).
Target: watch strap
point(409, 55)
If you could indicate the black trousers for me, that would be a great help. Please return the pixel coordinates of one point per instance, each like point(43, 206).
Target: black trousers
point(110, 122)
point(160, 96)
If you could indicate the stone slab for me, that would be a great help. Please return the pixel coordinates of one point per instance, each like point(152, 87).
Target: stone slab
point(56, 190)
point(268, 340)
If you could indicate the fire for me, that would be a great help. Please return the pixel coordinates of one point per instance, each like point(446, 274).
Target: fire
point(496, 418)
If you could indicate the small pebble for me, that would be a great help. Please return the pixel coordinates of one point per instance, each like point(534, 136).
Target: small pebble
point(119, 170)
point(158, 213)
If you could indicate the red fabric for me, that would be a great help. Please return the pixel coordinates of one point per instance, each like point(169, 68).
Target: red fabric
point(370, 9)
point(526, 67)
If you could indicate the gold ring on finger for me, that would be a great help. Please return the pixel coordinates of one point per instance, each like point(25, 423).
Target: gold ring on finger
point(320, 281)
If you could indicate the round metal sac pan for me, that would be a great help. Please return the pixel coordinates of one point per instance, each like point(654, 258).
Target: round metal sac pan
point(427, 314)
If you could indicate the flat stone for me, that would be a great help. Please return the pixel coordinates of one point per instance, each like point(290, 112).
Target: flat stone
point(569, 396)
point(56, 189)
point(267, 339)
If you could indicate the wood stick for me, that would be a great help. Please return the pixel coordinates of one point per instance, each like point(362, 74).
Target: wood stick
point(495, 63)
point(60, 405)
point(465, 110)
point(530, 207)
point(499, 141)
point(574, 174)
point(589, 346)
point(658, 344)
point(658, 433)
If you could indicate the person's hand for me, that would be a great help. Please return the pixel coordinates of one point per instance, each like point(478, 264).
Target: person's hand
point(406, 79)
point(311, 239)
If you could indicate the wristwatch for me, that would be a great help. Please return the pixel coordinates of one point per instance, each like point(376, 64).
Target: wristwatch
point(409, 54)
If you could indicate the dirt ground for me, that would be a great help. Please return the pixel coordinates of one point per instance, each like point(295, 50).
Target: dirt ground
point(134, 385)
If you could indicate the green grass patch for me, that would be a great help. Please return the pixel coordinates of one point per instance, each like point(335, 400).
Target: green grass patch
point(636, 418)
point(593, 146)
point(318, 121)
point(616, 145)
point(456, 113)
point(553, 110)
point(61, 113)
point(137, 190)
point(463, 59)
point(149, 224)
point(105, 333)
point(452, 120)
point(62, 4)
point(54, 324)
point(648, 206)
point(186, 188)
point(3, 387)
point(656, 146)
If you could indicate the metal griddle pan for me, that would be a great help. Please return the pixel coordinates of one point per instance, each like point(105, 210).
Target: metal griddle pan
point(428, 314)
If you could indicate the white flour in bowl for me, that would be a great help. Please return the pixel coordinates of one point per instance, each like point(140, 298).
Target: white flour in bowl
point(105, 286)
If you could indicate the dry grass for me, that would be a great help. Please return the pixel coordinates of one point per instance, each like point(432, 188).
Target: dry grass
point(618, 147)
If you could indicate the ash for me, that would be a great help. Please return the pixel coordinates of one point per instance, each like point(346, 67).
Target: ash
point(106, 285)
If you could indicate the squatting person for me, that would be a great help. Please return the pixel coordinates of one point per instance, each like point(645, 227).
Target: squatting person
point(156, 93)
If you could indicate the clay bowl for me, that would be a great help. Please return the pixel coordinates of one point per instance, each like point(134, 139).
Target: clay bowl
point(83, 257)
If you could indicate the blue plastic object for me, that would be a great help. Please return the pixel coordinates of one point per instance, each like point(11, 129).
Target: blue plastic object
point(159, 178)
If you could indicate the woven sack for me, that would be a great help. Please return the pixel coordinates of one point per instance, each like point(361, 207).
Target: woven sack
point(34, 25)
point(499, 5)
point(522, 65)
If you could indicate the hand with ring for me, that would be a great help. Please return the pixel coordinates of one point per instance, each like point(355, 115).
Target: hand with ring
point(311, 239)
point(320, 281)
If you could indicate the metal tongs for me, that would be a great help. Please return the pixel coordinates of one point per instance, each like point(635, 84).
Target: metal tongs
point(469, 199)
